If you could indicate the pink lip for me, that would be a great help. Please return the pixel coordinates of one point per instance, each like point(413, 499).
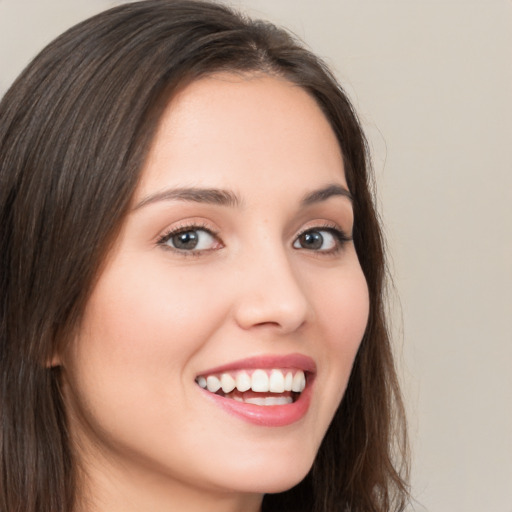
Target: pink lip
point(269, 415)
point(298, 361)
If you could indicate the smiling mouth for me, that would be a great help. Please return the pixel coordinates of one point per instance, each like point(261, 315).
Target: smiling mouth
point(258, 386)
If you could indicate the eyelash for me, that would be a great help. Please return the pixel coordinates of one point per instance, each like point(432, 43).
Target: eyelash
point(339, 235)
point(337, 232)
point(162, 240)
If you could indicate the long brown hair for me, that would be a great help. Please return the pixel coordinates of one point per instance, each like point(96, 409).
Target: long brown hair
point(75, 128)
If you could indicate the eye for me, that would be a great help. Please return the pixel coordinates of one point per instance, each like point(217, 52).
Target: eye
point(190, 239)
point(328, 240)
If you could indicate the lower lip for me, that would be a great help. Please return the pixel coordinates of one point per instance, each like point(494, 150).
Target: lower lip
point(267, 415)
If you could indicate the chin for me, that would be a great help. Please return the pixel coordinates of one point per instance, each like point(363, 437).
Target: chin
point(272, 477)
point(283, 484)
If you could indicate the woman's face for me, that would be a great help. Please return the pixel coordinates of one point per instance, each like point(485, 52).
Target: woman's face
point(234, 267)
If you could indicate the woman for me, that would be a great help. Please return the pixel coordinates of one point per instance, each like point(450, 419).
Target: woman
point(192, 281)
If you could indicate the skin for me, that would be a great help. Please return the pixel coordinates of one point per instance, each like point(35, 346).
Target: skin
point(146, 436)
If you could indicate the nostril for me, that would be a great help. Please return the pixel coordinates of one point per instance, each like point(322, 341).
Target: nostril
point(269, 292)
point(282, 315)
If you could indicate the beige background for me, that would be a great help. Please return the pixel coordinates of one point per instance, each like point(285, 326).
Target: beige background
point(432, 81)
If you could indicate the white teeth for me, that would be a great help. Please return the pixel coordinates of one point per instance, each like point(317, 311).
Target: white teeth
point(227, 383)
point(256, 401)
point(269, 400)
point(299, 382)
point(260, 381)
point(288, 381)
point(302, 382)
point(243, 381)
point(282, 400)
point(212, 384)
point(276, 382)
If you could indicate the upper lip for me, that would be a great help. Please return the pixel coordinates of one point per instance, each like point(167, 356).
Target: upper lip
point(297, 361)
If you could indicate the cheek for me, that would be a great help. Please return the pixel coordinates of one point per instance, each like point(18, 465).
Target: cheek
point(135, 316)
point(342, 315)
point(128, 370)
point(342, 309)
point(350, 308)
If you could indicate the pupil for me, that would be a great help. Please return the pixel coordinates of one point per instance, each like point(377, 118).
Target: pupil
point(312, 240)
point(185, 240)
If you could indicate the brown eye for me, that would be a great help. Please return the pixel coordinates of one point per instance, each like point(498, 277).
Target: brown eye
point(322, 240)
point(191, 239)
point(186, 240)
point(313, 240)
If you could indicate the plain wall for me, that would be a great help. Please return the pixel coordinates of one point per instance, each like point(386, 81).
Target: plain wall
point(432, 81)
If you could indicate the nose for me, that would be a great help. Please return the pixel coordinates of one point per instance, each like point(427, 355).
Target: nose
point(270, 294)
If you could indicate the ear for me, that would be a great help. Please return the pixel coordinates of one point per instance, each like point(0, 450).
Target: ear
point(54, 361)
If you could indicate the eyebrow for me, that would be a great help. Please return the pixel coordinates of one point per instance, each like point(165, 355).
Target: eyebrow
point(196, 195)
point(325, 193)
point(222, 197)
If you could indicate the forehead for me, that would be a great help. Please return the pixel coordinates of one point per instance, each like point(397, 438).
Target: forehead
point(238, 130)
